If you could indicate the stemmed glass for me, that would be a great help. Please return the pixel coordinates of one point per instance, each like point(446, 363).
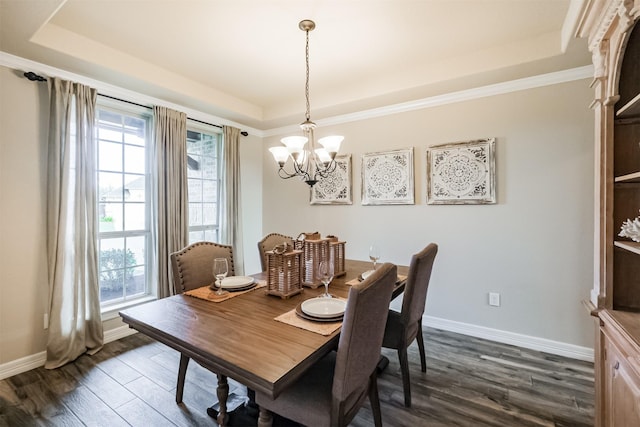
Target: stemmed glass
point(374, 254)
point(325, 275)
point(220, 271)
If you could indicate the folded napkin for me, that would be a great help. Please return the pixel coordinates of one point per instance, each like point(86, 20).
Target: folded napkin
point(401, 277)
point(206, 293)
point(322, 328)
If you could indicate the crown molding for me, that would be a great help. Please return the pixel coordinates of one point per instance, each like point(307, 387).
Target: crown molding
point(572, 74)
point(579, 73)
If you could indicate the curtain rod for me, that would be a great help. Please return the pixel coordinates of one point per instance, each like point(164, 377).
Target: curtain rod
point(37, 78)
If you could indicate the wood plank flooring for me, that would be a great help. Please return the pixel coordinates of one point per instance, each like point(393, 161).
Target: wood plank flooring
point(469, 382)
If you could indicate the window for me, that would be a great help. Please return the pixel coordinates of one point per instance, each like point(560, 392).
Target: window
point(203, 149)
point(124, 234)
point(124, 184)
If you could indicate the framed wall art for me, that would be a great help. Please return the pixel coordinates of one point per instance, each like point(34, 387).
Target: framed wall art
point(461, 173)
point(335, 189)
point(387, 178)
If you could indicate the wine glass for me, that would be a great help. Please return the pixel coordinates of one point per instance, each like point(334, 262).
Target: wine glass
point(325, 275)
point(220, 271)
point(374, 254)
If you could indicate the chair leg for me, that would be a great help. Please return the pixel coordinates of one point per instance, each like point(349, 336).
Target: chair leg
point(182, 372)
point(404, 368)
point(423, 359)
point(374, 399)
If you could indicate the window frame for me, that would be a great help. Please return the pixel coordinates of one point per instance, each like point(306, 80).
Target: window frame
point(208, 130)
point(108, 309)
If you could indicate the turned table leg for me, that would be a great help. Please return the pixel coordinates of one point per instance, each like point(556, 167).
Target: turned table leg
point(265, 419)
point(223, 393)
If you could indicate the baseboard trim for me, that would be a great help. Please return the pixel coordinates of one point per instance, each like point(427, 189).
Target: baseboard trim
point(37, 360)
point(526, 341)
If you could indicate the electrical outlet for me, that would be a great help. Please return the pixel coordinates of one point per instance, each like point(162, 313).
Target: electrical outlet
point(494, 299)
point(46, 320)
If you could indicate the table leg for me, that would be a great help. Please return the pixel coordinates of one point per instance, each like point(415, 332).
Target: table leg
point(265, 419)
point(223, 393)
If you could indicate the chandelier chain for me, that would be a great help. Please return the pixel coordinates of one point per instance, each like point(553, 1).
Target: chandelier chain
point(306, 87)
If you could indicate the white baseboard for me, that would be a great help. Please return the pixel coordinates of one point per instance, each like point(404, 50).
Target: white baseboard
point(526, 341)
point(23, 364)
point(37, 360)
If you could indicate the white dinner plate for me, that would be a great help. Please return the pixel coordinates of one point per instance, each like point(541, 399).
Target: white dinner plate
point(324, 307)
point(235, 282)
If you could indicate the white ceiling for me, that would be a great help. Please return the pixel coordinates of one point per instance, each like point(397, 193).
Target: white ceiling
point(244, 59)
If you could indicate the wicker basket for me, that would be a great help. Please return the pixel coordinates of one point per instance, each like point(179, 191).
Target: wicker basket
point(284, 273)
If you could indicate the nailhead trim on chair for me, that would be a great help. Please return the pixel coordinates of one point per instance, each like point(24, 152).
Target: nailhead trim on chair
point(195, 245)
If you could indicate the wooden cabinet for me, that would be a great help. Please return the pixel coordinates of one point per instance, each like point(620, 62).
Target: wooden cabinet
point(614, 41)
point(621, 371)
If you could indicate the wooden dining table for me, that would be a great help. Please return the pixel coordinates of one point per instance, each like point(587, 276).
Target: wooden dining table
point(239, 338)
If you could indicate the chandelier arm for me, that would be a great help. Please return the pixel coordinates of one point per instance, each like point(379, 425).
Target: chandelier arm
point(282, 173)
point(302, 172)
point(324, 172)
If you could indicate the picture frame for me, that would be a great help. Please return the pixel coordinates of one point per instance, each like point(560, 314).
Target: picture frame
point(461, 173)
point(387, 178)
point(335, 188)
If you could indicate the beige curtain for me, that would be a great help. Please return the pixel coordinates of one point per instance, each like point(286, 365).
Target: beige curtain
point(230, 211)
point(75, 326)
point(170, 192)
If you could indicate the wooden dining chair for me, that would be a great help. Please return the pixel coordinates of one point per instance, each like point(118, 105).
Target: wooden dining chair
point(192, 267)
point(405, 327)
point(332, 391)
point(268, 242)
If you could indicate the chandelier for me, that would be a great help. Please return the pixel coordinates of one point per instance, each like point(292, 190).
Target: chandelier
point(312, 163)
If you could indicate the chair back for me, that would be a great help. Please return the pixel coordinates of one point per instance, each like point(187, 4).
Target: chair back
point(192, 267)
point(361, 339)
point(415, 292)
point(270, 241)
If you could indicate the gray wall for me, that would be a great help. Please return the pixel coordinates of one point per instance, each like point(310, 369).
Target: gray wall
point(534, 247)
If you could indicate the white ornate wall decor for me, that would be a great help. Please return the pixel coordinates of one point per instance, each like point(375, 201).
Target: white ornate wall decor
point(387, 178)
point(335, 189)
point(461, 173)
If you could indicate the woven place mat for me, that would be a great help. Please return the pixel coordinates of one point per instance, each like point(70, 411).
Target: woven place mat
point(355, 281)
point(322, 328)
point(207, 294)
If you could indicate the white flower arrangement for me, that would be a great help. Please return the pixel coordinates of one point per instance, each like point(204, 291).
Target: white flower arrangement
point(631, 229)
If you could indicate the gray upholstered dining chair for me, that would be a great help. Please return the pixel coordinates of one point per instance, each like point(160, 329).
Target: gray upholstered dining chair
point(332, 391)
point(192, 267)
point(404, 327)
point(268, 242)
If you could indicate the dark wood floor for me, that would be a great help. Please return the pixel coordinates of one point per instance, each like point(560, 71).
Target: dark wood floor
point(469, 382)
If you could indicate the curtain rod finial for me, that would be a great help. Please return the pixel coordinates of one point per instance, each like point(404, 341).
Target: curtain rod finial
point(34, 77)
